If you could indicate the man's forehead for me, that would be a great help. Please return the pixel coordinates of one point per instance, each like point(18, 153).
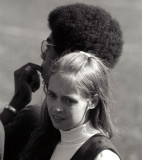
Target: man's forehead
point(49, 38)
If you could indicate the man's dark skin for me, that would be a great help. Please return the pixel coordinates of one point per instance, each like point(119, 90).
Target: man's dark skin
point(26, 82)
point(19, 126)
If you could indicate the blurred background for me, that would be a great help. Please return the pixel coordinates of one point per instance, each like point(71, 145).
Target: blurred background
point(23, 25)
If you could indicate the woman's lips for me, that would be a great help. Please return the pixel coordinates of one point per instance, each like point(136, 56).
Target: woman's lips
point(58, 118)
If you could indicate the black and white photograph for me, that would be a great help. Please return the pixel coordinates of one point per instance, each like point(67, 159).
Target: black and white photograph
point(70, 79)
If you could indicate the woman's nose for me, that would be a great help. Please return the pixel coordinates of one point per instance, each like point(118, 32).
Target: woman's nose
point(58, 106)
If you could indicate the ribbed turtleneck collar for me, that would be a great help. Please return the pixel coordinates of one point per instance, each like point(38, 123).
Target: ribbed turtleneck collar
point(78, 134)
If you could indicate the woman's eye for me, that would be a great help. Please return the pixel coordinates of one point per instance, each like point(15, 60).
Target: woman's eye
point(51, 95)
point(68, 101)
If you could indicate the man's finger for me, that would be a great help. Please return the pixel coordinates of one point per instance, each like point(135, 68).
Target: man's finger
point(34, 67)
point(29, 67)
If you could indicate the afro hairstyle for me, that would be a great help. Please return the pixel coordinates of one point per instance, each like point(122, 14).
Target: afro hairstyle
point(86, 28)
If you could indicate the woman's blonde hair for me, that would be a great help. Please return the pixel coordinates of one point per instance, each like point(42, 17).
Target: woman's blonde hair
point(90, 76)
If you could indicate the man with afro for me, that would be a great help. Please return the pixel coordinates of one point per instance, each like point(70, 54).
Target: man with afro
point(74, 27)
point(87, 28)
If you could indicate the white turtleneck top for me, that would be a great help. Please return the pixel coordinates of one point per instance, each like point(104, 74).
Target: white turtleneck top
point(73, 139)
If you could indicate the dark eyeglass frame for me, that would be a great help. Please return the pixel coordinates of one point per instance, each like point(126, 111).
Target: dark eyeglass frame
point(45, 86)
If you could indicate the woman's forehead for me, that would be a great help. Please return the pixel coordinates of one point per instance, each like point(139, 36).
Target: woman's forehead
point(59, 82)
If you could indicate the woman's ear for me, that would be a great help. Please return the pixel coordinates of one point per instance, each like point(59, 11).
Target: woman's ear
point(93, 103)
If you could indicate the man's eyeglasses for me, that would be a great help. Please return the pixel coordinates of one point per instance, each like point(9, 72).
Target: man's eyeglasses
point(45, 45)
point(44, 87)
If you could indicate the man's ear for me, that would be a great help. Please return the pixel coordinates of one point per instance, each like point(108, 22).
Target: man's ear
point(93, 103)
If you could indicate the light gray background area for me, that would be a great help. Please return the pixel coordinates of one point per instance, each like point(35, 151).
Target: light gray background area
point(23, 26)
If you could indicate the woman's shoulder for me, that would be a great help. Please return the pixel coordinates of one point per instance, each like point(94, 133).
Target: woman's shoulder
point(107, 154)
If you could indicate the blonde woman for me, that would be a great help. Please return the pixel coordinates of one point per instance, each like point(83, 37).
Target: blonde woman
point(76, 119)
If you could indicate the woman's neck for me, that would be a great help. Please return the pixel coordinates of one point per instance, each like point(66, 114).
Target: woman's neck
point(78, 134)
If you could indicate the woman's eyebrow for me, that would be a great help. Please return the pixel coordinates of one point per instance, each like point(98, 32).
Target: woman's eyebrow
point(50, 90)
point(71, 98)
point(64, 96)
